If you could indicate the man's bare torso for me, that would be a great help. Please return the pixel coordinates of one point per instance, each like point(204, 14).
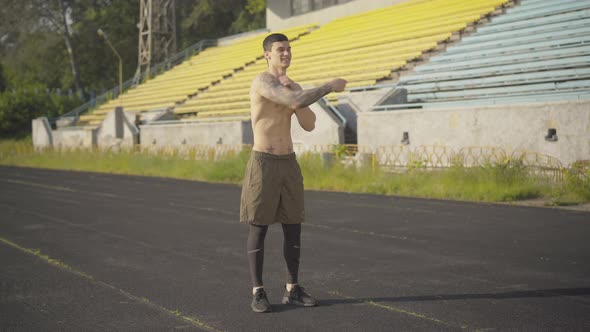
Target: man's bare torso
point(271, 124)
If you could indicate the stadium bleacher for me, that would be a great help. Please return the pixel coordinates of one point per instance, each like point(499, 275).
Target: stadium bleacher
point(197, 73)
point(537, 51)
point(466, 56)
point(379, 43)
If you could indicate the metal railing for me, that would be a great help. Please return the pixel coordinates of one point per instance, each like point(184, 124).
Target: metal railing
point(324, 102)
point(373, 87)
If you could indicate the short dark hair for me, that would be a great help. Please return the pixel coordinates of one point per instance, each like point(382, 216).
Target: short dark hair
point(272, 38)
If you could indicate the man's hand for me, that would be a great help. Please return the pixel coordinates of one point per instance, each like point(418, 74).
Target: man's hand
point(338, 85)
point(286, 81)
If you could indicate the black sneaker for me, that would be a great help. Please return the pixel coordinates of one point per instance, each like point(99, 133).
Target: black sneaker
point(260, 301)
point(298, 296)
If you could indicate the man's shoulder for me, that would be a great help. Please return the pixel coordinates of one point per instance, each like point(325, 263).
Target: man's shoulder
point(264, 77)
point(259, 77)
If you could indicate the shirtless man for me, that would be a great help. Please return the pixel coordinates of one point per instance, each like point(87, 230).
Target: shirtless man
point(272, 190)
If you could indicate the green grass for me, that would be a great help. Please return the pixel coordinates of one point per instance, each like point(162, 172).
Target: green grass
point(489, 184)
point(492, 184)
point(128, 162)
point(574, 190)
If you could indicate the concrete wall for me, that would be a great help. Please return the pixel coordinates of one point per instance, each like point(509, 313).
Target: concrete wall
point(278, 12)
point(157, 115)
point(118, 130)
point(512, 127)
point(74, 137)
point(328, 129)
point(355, 102)
point(187, 133)
point(179, 134)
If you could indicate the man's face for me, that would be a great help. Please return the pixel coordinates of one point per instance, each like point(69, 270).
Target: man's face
point(279, 55)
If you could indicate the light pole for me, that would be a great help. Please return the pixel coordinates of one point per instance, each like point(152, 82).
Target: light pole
point(104, 35)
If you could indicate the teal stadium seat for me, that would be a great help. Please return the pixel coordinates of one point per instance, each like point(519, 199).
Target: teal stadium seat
point(532, 98)
point(537, 21)
point(528, 10)
point(581, 24)
point(539, 50)
point(515, 49)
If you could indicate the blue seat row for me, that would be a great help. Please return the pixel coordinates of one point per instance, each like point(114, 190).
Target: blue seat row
point(553, 64)
point(515, 99)
point(501, 80)
point(546, 36)
point(489, 61)
point(533, 22)
point(538, 48)
point(583, 24)
point(567, 86)
point(552, 44)
point(548, 8)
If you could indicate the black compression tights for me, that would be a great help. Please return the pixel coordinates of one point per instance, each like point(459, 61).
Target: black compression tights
point(291, 251)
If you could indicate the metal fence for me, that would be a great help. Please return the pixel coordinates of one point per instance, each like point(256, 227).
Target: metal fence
point(400, 158)
point(198, 152)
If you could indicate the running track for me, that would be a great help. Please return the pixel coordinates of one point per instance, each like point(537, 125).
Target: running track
point(97, 252)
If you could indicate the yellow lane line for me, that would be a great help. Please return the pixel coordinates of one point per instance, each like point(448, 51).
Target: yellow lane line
point(67, 189)
point(112, 235)
point(378, 206)
point(47, 259)
point(356, 231)
point(39, 185)
point(55, 262)
point(394, 309)
point(230, 213)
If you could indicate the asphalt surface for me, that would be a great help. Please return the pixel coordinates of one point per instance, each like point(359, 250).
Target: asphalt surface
point(98, 252)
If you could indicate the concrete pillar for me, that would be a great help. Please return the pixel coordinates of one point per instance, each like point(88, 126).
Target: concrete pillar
point(42, 137)
point(118, 130)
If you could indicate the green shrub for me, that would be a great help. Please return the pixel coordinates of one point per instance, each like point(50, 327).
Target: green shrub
point(19, 108)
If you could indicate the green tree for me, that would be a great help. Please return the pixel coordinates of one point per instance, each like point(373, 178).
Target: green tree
point(53, 44)
point(40, 59)
point(208, 19)
point(99, 69)
point(24, 18)
point(252, 17)
point(54, 15)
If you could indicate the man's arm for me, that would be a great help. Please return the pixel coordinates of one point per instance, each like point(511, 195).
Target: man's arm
point(270, 88)
point(305, 116)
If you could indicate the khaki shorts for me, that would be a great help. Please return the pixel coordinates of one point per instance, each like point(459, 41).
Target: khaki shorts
point(272, 190)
